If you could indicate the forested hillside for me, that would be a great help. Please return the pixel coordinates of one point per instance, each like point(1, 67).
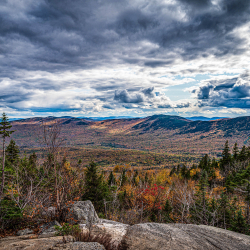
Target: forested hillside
point(171, 139)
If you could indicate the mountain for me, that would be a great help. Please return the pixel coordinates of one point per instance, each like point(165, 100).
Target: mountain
point(161, 122)
point(172, 138)
point(105, 118)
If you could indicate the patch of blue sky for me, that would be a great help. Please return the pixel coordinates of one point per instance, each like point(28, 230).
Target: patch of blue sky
point(178, 92)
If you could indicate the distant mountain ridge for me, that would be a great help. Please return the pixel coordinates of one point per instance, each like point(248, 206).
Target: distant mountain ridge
point(164, 134)
point(178, 124)
point(192, 118)
point(156, 122)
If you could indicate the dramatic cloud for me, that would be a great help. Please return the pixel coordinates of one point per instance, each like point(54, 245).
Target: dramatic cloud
point(231, 92)
point(85, 57)
point(125, 97)
point(147, 99)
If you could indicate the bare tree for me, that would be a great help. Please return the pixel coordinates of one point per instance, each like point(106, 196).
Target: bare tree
point(52, 140)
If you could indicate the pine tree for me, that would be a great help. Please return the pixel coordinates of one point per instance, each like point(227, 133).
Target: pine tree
point(243, 154)
point(183, 171)
point(226, 156)
point(173, 170)
point(167, 210)
point(123, 178)
point(111, 179)
point(33, 160)
point(199, 211)
point(96, 190)
point(241, 183)
point(205, 163)
point(12, 152)
point(239, 224)
point(235, 151)
point(5, 131)
point(224, 211)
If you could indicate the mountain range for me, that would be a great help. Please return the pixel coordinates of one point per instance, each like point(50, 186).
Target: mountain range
point(163, 135)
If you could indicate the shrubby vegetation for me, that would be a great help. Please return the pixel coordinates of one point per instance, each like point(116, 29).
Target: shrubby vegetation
point(213, 192)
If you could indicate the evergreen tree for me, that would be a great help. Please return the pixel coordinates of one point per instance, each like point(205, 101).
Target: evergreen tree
point(96, 190)
point(212, 208)
point(243, 154)
point(224, 211)
point(239, 224)
point(33, 160)
point(178, 169)
point(167, 210)
point(111, 179)
point(235, 151)
point(12, 152)
point(226, 156)
point(199, 211)
point(183, 171)
point(214, 164)
point(173, 170)
point(123, 178)
point(5, 131)
point(205, 163)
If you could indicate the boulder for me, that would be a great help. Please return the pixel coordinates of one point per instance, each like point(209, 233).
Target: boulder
point(107, 227)
point(24, 232)
point(152, 236)
point(33, 244)
point(82, 212)
point(48, 229)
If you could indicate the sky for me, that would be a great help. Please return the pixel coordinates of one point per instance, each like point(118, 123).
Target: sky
point(89, 58)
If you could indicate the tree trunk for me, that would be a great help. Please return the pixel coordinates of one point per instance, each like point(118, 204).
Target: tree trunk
point(56, 187)
point(3, 174)
point(248, 212)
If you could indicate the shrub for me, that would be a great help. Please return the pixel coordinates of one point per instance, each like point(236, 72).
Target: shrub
point(10, 213)
point(68, 229)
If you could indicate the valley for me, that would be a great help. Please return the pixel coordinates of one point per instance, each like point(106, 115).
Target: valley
point(158, 140)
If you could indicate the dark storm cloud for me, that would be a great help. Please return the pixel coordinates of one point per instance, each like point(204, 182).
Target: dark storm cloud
point(14, 97)
point(55, 36)
point(233, 93)
point(204, 91)
point(52, 35)
point(134, 21)
point(148, 92)
point(108, 106)
point(196, 2)
point(124, 97)
point(146, 99)
point(140, 96)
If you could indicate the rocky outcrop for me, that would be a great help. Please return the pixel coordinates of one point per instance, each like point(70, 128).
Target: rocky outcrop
point(48, 229)
point(24, 232)
point(82, 212)
point(147, 236)
point(32, 243)
point(182, 237)
point(107, 227)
